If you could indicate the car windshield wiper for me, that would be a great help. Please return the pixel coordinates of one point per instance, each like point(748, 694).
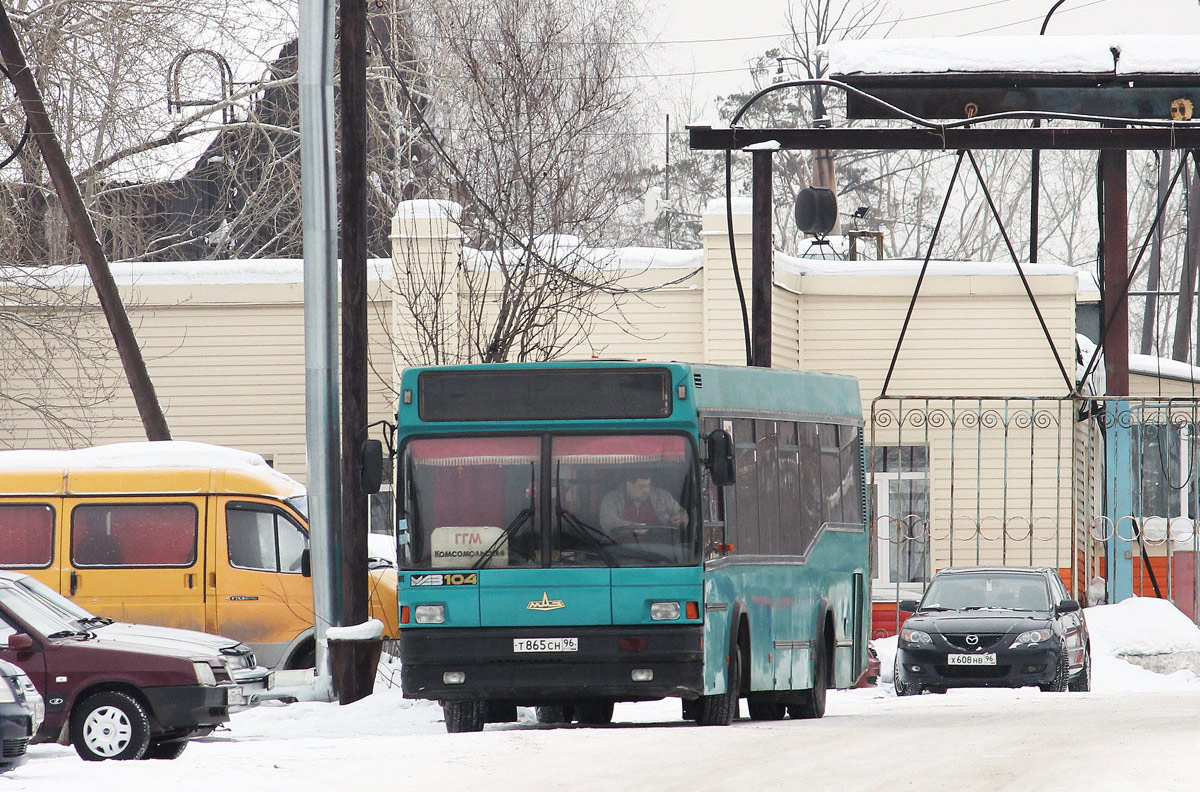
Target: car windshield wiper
point(589, 533)
point(99, 621)
point(71, 634)
point(518, 521)
point(933, 608)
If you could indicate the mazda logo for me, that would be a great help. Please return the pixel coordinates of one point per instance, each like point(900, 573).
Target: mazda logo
point(972, 640)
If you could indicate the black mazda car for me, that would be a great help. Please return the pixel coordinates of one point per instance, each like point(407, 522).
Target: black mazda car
point(993, 627)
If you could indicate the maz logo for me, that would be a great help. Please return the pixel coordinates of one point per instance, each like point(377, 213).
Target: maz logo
point(545, 604)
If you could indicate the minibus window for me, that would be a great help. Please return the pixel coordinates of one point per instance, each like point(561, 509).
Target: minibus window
point(263, 539)
point(134, 535)
point(28, 531)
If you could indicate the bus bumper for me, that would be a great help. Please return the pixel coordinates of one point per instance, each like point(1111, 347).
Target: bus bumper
point(603, 666)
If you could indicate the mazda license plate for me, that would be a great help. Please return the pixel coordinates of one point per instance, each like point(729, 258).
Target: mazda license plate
point(545, 644)
point(988, 659)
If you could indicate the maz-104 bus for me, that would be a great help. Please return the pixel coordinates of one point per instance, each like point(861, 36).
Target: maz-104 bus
point(577, 534)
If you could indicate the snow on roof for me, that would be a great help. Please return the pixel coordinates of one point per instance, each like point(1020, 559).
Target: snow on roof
point(428, 210)
point(630, 258)
point(1148, 365)
point(160, 454)
point(741, 205)
point(195, 273)
point(1118, 54)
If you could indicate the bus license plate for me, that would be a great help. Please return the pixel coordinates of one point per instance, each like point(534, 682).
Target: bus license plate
point(972, 659)
point(545, 644)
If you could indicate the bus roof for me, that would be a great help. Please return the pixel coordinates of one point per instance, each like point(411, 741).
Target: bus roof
point(725, 390)
point(148, 467)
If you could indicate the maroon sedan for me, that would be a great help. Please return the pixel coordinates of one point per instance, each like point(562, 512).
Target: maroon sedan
point(112, 700)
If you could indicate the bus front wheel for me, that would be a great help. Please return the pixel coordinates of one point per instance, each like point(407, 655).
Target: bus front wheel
point(720, 709)
point(464, 716)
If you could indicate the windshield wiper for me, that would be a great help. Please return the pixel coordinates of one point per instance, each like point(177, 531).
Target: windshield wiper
point(518, 521)
point(97, 620)
point(589, 534)
point(71, 634)
point(933, 608)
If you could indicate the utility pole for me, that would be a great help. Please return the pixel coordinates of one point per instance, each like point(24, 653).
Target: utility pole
point(355, 511)
point(154, 422)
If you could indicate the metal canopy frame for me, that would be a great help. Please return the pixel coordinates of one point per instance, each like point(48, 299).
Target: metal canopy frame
point(1112, 137)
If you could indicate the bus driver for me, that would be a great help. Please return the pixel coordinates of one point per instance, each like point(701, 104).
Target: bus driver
point(639, 503)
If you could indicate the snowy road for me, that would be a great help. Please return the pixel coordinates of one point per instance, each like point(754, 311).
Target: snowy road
point(965, 740)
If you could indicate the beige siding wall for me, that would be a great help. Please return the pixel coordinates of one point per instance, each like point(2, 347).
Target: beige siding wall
point(227, 362)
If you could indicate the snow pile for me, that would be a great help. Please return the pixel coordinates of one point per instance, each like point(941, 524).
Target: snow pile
point(1141, 626)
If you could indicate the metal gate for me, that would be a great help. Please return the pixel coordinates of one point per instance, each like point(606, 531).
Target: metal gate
point(1102, 489)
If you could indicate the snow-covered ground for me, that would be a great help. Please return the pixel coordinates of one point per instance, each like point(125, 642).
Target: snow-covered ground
point(1135, 730)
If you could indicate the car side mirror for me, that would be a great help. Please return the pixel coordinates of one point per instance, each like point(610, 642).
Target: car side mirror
point(19, 642)
point(370, 466)
point(720, 458)
point(306, 563)
point(1067, 606)
point(908, 606)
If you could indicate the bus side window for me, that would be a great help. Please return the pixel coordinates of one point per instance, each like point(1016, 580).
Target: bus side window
point(810, 484)
point(743, 528)
point(791, 538)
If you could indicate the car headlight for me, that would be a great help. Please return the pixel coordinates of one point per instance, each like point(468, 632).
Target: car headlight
point(430, 614)
point(7, 696)
point(204, 674)
point(1031, 637)
point(915, 636)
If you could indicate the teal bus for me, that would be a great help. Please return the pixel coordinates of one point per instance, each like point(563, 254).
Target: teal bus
point(576, 534)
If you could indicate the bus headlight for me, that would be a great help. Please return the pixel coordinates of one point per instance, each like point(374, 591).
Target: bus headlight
point(429, 614)
point(664, 611)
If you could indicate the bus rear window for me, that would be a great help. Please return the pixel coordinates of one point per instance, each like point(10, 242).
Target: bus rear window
point(554, 395)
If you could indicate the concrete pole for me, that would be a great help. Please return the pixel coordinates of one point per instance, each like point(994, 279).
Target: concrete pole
point(318, 192)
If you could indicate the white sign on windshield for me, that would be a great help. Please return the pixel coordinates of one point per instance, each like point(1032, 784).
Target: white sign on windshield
point(461, 546)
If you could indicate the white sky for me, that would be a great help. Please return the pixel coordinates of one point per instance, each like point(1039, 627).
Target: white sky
point(715, 39)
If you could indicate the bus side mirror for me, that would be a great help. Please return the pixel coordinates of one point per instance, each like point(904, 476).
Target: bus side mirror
point(370, 466)
point(720, 458)
point(306, 563)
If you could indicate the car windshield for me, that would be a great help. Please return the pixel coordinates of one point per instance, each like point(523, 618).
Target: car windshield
point(56, 601)
point(35, 614)
point(536, 501)
point(987, 591)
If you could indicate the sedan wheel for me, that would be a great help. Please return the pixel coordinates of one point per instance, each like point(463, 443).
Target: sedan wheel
point(903, 688)
point(1082, 682)
point(110, 726)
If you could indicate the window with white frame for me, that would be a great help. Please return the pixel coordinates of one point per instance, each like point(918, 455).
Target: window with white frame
point(900, 507)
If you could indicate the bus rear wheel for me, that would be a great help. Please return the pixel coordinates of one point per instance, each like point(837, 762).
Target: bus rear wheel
point(721, 708)
point(464, 716)
point(812, 701)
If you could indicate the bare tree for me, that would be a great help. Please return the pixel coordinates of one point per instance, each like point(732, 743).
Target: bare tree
point(528, 119)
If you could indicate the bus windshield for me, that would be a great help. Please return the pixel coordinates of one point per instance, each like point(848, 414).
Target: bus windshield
point(551, 501)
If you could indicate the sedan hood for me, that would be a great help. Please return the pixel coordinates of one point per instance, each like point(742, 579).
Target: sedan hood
point(964, 622)
point(170, 637)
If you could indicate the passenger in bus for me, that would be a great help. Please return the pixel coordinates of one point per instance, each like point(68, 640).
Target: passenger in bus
point(638, 502)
